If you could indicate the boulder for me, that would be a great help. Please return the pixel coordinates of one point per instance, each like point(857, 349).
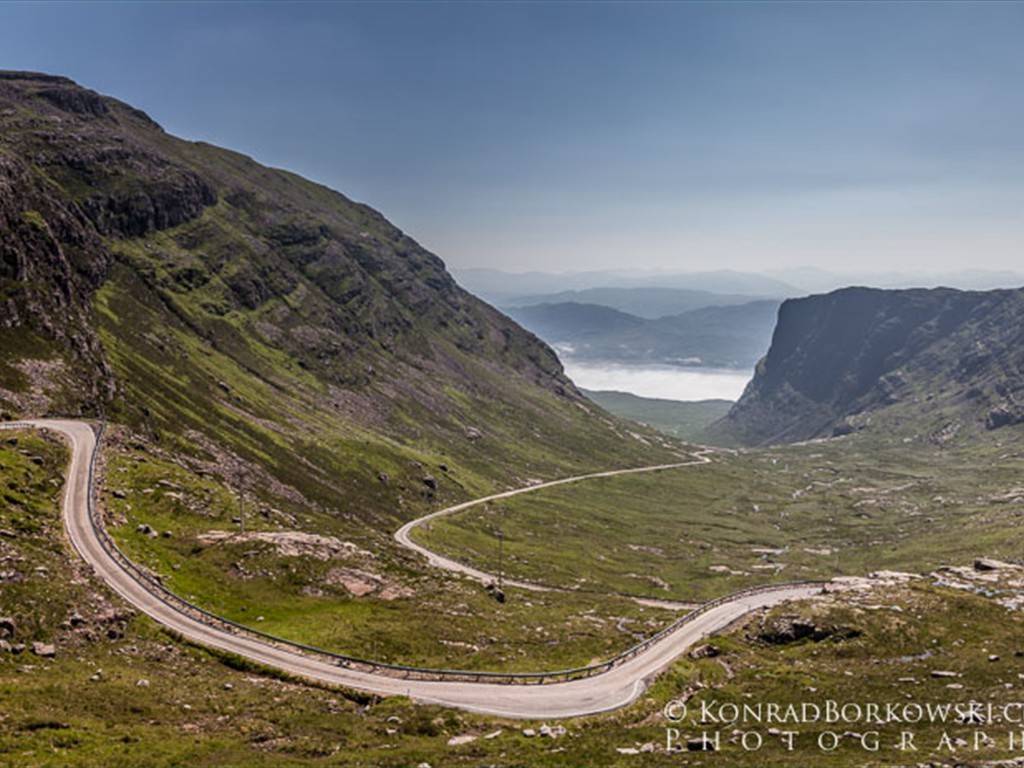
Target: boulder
point(706, 651)
point(44, 650)
point(1004, 416)
point(988, 564)
point(789, 629)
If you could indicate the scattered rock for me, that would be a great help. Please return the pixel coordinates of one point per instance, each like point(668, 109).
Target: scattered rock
point(44, 650)
point(789, 629)
point(495, 591)
point(843, 428)
point(291, 543)
point(552, 732)
point(941, 673)
point(1004, 416)
point(146, 530)
point(466, 738)
point(529, 733)
point(143, 683)
point(430, 481)
point(988, 564)
point(384, 478)
point(472, 433)
point(706, 651)
point(7, 627)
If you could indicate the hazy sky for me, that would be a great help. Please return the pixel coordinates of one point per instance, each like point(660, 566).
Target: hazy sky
point(573, 136)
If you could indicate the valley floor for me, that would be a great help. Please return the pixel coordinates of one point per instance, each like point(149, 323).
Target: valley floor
point(111, 693)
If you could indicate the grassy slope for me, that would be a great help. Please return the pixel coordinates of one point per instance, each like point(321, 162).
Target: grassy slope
point(86, 707)
point(414, 616)
point(845, 507)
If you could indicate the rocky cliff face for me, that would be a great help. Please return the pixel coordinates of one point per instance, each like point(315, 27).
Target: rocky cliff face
point(921, 357)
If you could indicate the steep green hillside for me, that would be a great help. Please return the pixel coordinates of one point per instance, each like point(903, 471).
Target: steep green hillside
point(247, 317)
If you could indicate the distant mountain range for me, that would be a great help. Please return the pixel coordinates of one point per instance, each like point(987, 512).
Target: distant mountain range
point(519, 288)
point(649, 303)
point(934, 364)
point(510, 288)
point(717, 336)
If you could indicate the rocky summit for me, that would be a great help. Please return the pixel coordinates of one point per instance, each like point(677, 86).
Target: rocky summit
point(938, 362)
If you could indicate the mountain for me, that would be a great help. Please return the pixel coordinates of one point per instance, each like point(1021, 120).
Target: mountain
point(516, 289)
point(926, 362)
point(726, 336)
point(575, 323)
point(649, 303)
point(228, 309)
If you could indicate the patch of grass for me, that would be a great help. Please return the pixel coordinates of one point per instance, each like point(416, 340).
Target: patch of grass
point(429, 619)
point(803, 512)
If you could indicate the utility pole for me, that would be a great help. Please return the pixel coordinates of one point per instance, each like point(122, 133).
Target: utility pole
point(242, 482)
point(501, 558)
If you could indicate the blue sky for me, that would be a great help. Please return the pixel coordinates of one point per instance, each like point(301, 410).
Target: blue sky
point(575, 136)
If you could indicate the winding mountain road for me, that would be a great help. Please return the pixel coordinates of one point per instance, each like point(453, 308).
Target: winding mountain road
point(404, 534)
point(600, 692)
